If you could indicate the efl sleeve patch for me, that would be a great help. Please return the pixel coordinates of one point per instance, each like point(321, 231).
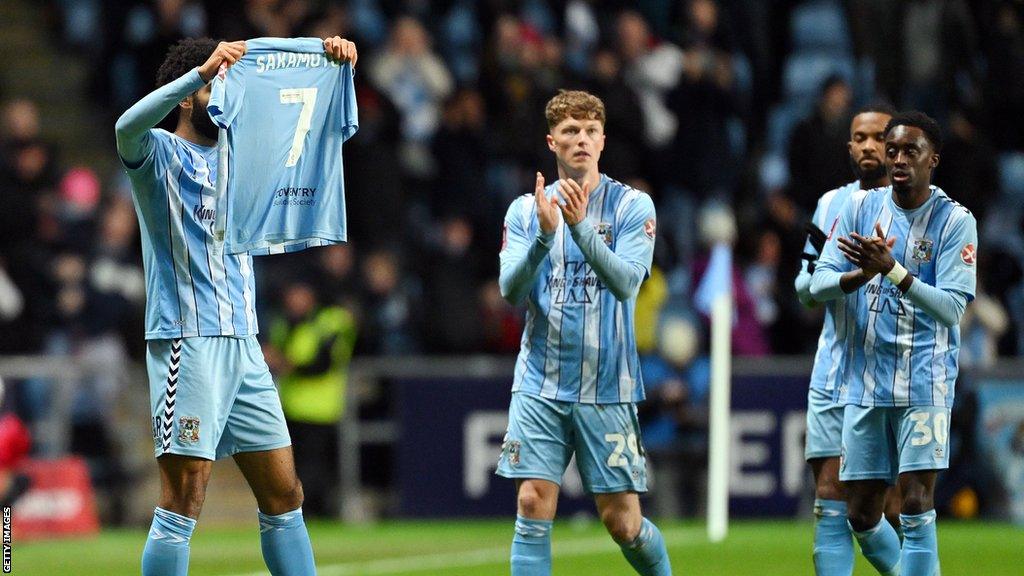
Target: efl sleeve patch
point(969, 254)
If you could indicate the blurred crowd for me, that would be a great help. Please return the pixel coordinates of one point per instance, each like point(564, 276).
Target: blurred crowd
point(732, 114)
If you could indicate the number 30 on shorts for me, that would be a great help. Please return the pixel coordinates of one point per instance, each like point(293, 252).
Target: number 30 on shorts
point(924, 434)
point(622, 441)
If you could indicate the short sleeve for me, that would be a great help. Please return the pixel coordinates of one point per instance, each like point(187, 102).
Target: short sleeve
point(226, 94)
point(635, 241)
point(349, 110)
point(956, 264)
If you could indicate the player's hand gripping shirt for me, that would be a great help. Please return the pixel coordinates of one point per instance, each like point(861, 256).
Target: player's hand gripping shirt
point(830, 346)
point(192, 287)
point(898, 354)
point(579, 343)
point(286, 110)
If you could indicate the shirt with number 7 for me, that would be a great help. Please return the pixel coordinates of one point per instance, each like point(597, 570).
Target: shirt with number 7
point(284, 111)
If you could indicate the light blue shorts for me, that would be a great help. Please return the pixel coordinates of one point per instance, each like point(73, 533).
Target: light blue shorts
point(824, 426)
point(213, 396)
point(544, 434)
point(881, 443)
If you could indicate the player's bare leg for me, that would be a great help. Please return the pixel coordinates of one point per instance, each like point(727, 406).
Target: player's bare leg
point(183, 481)
point(272, 478)
point(920, 546)
point(536, 503)
point(833, 541)
point(877, 538)
point(893, 508)
point(640, 540)
point(278, 491)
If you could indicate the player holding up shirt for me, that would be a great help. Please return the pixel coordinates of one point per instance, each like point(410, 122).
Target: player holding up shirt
point(210, 390)
point(907, 255)
point(577, 252)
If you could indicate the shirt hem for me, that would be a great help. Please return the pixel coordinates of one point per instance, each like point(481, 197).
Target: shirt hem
point(165, 334)
point(269, 242)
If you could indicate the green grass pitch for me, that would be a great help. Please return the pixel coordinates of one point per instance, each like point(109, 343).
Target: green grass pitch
point(481, 548)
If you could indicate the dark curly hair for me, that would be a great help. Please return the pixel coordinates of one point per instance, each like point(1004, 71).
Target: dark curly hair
point(187, 54)
point(930, 127)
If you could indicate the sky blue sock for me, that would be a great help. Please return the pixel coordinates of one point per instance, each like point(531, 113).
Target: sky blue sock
point(531, 547)
point(647, 554)
point(166, 551)
point(881, 547)
point(285, 543)
point(833, 542)
point(920, 544)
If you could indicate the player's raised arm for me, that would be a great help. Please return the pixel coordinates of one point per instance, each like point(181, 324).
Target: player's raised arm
point(623, 270)
point(521, 257)
point(132, 128)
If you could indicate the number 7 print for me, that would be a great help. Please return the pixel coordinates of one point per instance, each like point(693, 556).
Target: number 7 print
point(306, 97)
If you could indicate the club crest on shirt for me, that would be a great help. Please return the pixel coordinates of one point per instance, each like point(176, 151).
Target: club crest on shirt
point(604, 230)
point(969, 254)
point(923, 250)
point(188, 429)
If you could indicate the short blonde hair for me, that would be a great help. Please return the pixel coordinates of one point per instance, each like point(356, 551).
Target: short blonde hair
point(575, 104)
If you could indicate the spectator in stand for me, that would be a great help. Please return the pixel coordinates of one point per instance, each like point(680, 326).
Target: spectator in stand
point(703, 101)
point(417, 81)
point(309, 350)
point(336, 281)
point(377, 182)
point(626, 153)
point(388, 321)
point(968, 165)
point(825, 165)
point(516, 81)
point(984, 323)
point(501, 323)
point(452, 274)
point(761, 279)
point(653, 68)
point(1003, 44)
point(461, 150)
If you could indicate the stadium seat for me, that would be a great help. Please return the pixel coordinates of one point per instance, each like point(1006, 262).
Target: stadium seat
point(804, 73)
point(821, 26)
point(781, 120)
point(1011, 176)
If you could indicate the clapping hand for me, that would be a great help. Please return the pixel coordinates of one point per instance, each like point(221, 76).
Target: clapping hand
point(576, 198)
point(547, 208)
point(872, 254)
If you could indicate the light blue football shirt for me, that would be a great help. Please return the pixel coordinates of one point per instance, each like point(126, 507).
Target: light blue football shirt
point(192, 289)
point(830, 347)
point(898, 355)
point(286, 110)
point(579, 343)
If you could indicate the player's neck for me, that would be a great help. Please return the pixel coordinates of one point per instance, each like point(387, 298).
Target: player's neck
point(872, 184)
point(592, 177)
point(186, 131)
point(911, 199)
